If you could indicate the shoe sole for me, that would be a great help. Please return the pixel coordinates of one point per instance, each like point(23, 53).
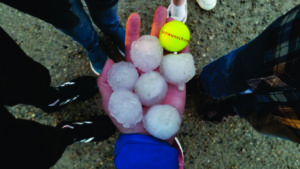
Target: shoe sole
point(94, 70)
point(122, 53)
point(178, 147)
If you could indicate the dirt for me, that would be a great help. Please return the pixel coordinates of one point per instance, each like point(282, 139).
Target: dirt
point(231, 143)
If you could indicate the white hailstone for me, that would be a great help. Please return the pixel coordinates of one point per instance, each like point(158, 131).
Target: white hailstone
point(162, 121)
point(207, 4)
point(125, 107)
point(178, 68)
point(146, 53)
point(122, 75)
point(151, 88)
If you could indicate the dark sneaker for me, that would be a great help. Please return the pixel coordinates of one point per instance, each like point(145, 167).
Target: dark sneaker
point(97, 59)
point(216, 110)
point(193, 86)
point(97, 129)
point(209, 108)
point(118, 37)
point(80, 88)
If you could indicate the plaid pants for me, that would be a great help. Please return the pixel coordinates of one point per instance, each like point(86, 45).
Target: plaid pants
point(263, 78)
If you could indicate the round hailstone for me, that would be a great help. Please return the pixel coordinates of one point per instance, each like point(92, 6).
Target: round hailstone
point(146, 53)
point(162, 121)
point(125, 107)
point(178, 68)
point(122, 75)
point(151, 88)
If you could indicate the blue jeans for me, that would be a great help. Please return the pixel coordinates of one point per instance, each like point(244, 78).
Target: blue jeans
point(229, 74)
point(105, 16)
point(70, 17)
point(218, 77)
point(84, 32)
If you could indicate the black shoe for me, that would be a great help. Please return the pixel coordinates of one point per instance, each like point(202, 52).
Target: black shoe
point(193, 86)
point(97, 129)
point(210, 109)
point(80, 88)
point(216, 110)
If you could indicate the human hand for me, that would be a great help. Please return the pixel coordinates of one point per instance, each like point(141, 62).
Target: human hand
point(174, 97)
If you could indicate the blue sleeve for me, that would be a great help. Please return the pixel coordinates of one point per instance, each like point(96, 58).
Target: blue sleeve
point(137, 151)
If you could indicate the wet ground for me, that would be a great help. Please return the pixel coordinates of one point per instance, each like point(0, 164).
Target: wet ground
point(231, 143)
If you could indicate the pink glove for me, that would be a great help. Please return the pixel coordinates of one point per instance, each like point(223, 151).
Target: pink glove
point(173, 97)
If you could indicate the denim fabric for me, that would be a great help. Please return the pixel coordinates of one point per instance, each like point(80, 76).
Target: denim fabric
point(217, 79)
point(84, 32)
point(106, 19)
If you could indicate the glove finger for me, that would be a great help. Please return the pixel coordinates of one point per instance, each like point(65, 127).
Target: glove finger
point(159, 19)
point(133, 27)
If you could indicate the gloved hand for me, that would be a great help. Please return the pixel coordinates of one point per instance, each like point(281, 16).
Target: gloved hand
point(173, 97)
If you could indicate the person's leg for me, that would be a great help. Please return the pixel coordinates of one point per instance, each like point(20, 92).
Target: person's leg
point(69, 17)
point(22, 80)
point(28, 144)
point(274, 118)
point(178, 10)
point(178, 2)
point(217, 77)
point(85, 34)
point(105, 15)
point(265, 64)
point(230, 74)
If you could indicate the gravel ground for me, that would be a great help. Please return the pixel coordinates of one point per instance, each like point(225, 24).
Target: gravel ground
point(231, 143)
